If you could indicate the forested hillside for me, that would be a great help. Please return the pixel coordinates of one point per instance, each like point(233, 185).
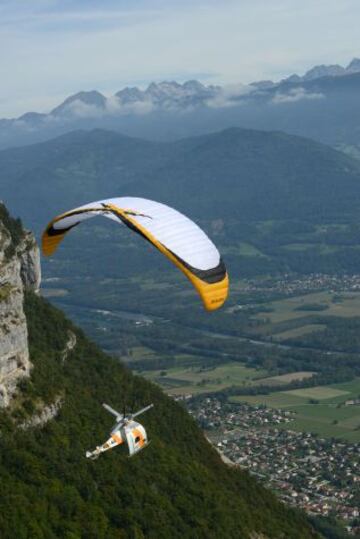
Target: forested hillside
point(246, 175)
point(273, 202)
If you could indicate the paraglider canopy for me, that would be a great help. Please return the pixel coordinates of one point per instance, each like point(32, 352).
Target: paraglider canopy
point(180, 239)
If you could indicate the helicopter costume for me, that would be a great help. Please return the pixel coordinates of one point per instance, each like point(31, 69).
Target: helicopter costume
point(125, 430)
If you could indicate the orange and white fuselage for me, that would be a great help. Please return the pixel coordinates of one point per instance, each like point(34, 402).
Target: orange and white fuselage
point(125, 431)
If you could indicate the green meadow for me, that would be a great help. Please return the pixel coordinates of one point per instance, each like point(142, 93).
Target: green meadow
point(320, 410)
point(196, 380)
point(348, 305)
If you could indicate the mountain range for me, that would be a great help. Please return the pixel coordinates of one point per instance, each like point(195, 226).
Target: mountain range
point(322, 104)
point(267, 189)
point(319, 71)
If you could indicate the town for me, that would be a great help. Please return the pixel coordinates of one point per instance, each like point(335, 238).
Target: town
point(322, 476)
point(289, 285)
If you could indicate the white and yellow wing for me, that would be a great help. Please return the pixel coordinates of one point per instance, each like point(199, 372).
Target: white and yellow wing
point(176, 236)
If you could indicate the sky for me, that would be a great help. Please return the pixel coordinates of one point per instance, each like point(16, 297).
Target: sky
point(50, 49)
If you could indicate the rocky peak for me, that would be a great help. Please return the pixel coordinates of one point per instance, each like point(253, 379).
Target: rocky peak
point(130, 95)
point(163, 90)
point(294, 78)
point(194, 86)
point(354, 66)
point(319, 71)
point(324, 71)
point(90, 99)
point(174, 94)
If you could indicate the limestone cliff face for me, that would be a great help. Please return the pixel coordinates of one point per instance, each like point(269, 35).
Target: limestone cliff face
point(19, 270)
point(43, 416)
point(29, 256)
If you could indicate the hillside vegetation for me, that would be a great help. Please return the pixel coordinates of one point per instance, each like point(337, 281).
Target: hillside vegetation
point(235, 174)
point(177, 487)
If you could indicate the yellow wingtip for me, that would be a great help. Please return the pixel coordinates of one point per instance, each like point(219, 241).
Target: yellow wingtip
point(213, 295)
point(49, 244)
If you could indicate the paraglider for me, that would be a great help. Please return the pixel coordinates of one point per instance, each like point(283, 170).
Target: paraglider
point(125, 430)
point(176, 236)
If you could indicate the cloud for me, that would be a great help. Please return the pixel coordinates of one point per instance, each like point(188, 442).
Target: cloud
point(229, 96)
point(23, 125)
point(115, 107)
point(79, 109)
point(295, 95)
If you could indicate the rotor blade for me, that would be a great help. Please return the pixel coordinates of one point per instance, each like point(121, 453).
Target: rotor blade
point(142, 411)
point(113, 412)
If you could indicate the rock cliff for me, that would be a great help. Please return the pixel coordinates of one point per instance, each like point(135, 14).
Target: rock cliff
point(19, 271)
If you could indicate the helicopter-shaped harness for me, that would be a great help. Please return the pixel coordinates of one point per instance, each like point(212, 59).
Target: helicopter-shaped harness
point(125, 430)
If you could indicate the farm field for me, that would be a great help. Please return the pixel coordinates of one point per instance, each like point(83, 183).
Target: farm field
point(298, 332)
point(322, 248)
point(150, 284)
point(243, 249)
point(300, 316)
point(196, 380)
point(329, 418)
point(286, 378)
point(348, 305)
point(139, 352)
point(318, 392)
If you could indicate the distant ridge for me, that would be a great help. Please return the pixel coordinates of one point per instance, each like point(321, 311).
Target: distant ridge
point(172, 94)
point(322, 70)
point(322, 104)
point(247, 175)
